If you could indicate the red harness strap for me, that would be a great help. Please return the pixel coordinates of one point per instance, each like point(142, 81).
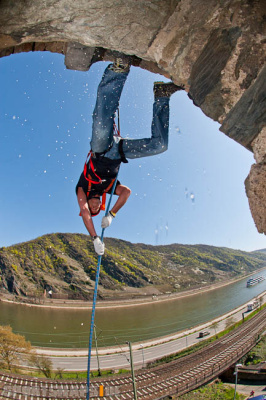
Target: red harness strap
point(92, 168)
point(90, 181)
point(116, 131)
point(102, 208)
point(97, 176)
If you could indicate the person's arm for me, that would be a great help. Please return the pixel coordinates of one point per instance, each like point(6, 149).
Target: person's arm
point(87, 219)
point(123, 194)
point(85, 212)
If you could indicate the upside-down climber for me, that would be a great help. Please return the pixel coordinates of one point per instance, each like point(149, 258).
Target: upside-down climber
point(107, 152)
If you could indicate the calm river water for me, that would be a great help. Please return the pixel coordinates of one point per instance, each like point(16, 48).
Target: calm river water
point(69, 328)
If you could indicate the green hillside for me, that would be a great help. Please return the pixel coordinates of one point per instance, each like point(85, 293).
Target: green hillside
point(66, 264)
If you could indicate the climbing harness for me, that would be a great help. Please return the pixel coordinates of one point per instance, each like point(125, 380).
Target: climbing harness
point(89, 171)
point(99, 181)
point(96, 285)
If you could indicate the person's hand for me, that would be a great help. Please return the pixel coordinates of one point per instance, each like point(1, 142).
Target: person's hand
point(98, 246)
point(106, 221)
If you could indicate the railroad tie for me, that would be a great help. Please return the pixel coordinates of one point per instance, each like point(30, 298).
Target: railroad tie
point(149, 389)
point(165, 384)
point(5, 393)
point(157, 386)
point(59, 393)
point(146, 376)
point(172, 381)
point(14, 396)
point(187, 375)
point(180, 379)
point(144, 391)
point(35, 391)
point(26, 390)
point(82, 391)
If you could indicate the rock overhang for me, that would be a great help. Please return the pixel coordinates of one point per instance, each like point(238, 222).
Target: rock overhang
point(215, 49)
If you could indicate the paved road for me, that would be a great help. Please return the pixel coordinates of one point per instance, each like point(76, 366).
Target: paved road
point(113, 358)
point(180, 376)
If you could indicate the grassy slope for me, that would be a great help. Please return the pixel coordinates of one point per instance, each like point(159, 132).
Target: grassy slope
point(66, 263)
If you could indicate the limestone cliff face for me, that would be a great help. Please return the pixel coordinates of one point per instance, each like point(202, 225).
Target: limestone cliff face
point(216, 49)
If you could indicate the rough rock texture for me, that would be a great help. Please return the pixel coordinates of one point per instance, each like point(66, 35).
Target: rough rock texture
point(258, 146)
point(256, 192)
point(215, 48)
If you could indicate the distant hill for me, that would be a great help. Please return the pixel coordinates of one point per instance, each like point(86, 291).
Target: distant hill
point(66, 263)
point(260, 251)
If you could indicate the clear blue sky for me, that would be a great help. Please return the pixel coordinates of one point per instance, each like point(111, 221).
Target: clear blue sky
point(194, 193)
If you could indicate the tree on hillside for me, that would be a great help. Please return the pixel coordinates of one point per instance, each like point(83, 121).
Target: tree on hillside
point(215, 326)
point(229, 322)
point(11, 347)
point(43, 364)
point(260, 301)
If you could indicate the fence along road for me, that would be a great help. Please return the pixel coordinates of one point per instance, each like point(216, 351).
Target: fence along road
point(177, 377)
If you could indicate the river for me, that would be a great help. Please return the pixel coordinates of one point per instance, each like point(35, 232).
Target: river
point(69, 328)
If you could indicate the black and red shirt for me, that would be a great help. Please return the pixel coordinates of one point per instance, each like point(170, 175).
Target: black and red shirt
point(99, 175)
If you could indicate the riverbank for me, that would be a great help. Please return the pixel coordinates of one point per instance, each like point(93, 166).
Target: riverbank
point(125, 302)
point(214, 326)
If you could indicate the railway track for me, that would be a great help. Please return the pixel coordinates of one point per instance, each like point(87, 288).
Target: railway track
point(176, 377)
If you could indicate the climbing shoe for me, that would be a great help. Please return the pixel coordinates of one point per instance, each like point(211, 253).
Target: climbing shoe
point(163, 89)
point(122, 62)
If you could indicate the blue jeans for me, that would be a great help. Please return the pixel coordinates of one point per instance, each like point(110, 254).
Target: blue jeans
point(109, 92)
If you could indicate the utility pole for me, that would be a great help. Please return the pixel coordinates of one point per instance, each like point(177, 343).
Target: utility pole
point(143, 363)
point(97, 355)
point(132, 371)
point(235, 373)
